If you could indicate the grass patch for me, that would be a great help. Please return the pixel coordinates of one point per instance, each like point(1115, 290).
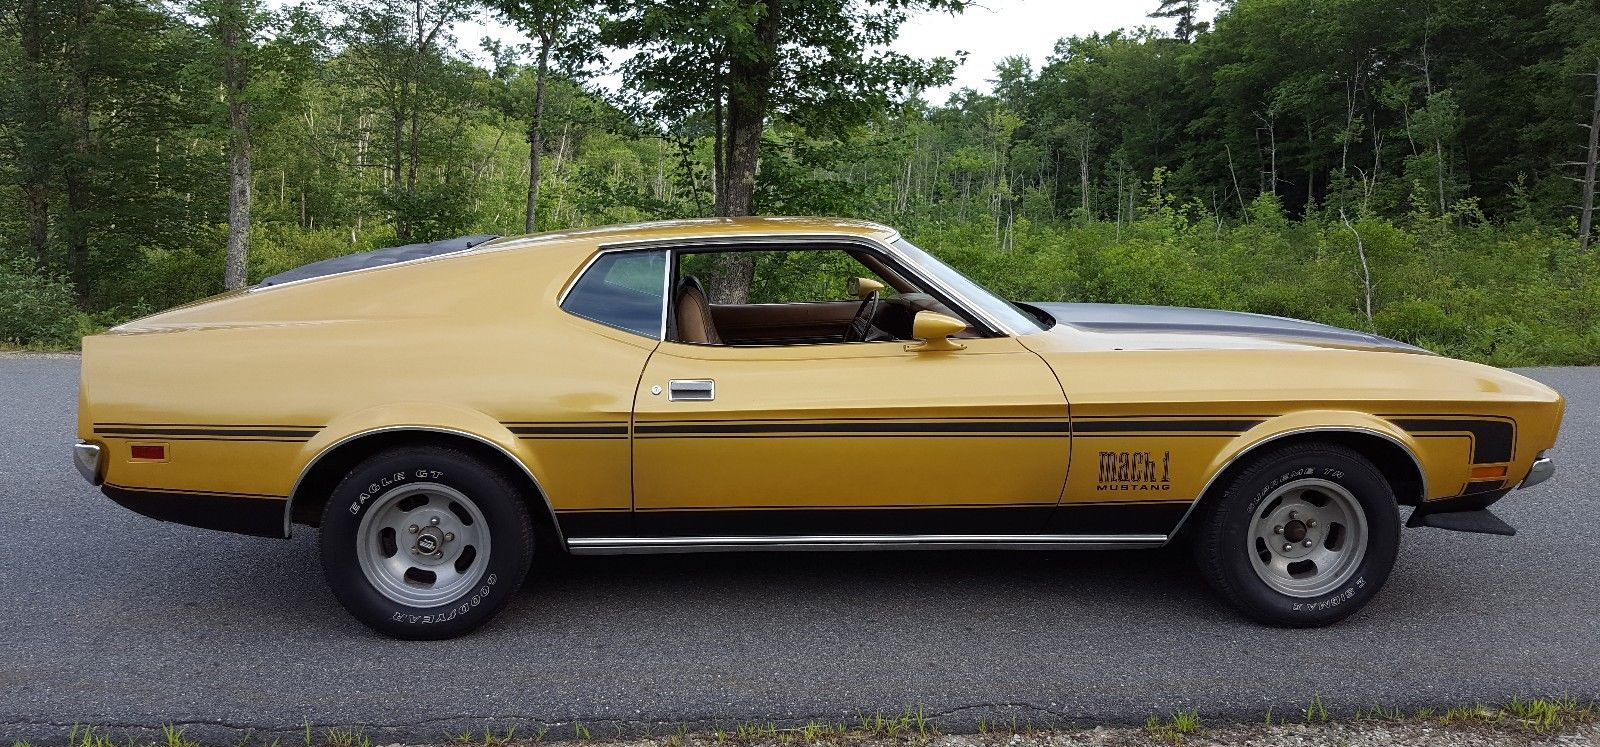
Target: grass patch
point(1175, 727)
point(1531, 716)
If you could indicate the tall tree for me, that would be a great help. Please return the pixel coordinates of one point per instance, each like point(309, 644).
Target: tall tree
point(38, 123)
point(232, 24)
point(1185, 11)
point(1591, 164)
point(823, 64)
point(77, 165)
point(564, 30)
point(405, 65)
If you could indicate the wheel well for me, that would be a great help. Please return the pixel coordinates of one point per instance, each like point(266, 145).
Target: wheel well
point(311, 494)
point(1393, 461)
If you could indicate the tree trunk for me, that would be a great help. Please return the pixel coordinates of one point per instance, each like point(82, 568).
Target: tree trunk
point(1586, 220)
point(749, 81)
point(240, 179)
point(1083, 178)
point(719, 166)
point(38, 119)
point(536, 136)
point(76, 170)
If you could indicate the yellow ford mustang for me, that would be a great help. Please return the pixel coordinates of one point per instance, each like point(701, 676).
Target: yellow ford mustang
point(440, 410)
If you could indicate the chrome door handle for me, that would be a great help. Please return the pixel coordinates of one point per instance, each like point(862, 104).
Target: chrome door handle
point(702, 390)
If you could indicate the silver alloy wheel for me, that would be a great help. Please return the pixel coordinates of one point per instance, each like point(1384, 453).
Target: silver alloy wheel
point(1307, 538)
point(423, 545)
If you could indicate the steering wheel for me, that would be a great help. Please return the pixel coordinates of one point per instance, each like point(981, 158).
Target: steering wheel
point(861, 326)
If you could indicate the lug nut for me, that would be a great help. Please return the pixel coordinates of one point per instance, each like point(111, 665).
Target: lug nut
point(434, 521)
point(1307, 543)
point(1287, 548)
point(1294, 514)
point(438, 553)
point(449, 536)
point(1278, 529)
point(1312, 523)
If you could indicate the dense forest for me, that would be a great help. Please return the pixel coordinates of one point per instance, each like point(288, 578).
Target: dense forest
point(1421, 168)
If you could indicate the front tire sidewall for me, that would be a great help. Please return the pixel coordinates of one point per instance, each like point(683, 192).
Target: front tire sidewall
point(510, 537)
point(1226, 548)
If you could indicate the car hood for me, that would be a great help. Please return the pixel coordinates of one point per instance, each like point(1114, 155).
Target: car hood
point(1168, 327)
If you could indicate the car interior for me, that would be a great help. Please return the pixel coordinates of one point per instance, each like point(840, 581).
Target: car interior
point(801, 296)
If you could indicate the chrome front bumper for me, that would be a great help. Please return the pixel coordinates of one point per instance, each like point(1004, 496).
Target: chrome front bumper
point(87, 459)
point(1542, 469)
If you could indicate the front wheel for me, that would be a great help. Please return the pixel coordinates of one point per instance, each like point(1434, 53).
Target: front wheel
point(425, 543)
point(1304, 536)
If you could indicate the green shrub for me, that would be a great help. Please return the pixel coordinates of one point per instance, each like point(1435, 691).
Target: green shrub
point(36, 310)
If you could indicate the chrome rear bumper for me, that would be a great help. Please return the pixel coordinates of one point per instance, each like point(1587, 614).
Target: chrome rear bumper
point(1542, 469)
point(87, 459)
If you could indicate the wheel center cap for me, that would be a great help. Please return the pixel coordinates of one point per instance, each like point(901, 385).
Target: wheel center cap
point(427, 543)
point(1294, 531)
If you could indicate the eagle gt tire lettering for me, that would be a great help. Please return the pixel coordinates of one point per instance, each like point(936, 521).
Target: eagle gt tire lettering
point(426, 542)
point(1304, 536)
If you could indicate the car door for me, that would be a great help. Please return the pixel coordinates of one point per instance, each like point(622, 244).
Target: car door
point(847, 439)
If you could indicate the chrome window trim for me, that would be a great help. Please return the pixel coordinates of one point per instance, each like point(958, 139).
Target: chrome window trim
point(288, 508)
point(870, 243)
point(644, 545)
point(666, 290)
point(1246, 451)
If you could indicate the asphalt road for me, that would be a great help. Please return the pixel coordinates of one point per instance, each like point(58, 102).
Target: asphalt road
point(119, 620)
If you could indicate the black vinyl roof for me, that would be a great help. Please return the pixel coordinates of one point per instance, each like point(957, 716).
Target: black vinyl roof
point(377, 258)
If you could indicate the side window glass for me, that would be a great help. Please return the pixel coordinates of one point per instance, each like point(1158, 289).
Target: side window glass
point(622, 290)
point(788, 276)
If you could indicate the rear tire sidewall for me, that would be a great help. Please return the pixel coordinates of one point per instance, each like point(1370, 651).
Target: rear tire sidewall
point(504, 511)
point(1224, 549)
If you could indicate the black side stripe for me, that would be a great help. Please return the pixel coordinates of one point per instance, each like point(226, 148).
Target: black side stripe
point(846, 429)
point(245, 433)
point(1493, 440)
point(1229, 427)
point(550, 430)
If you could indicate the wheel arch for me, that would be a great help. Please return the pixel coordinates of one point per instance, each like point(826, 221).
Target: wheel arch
point(323, 472)
point(1389, 453)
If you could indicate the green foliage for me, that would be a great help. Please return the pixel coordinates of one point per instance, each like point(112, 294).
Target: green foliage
point(36, 310)
point(1124, 167)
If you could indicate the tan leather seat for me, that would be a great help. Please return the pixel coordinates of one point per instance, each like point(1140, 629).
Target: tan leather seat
point(694, 314)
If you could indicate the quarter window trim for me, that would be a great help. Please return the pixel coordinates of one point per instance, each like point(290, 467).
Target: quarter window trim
point(666, 287)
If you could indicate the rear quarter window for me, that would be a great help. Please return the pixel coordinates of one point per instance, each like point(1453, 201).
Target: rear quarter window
point(622, 290)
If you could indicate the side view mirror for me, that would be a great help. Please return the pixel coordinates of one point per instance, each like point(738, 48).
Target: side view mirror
point(934, 330)
point(863, 287)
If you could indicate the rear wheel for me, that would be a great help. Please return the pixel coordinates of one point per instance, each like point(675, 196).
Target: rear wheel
point(1304, 536)
point(425, 542)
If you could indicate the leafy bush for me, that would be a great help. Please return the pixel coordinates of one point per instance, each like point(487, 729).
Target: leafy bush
point(36, 310)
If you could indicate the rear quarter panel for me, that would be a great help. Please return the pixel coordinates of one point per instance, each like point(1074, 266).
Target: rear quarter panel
point(473, 343)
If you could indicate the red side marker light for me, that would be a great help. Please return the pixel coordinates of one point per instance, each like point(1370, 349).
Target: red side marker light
point(150, 452)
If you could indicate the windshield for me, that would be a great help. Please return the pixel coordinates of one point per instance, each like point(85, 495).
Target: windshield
point(977, 295)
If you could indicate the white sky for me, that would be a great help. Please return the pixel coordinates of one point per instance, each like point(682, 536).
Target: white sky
point(988, 32)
